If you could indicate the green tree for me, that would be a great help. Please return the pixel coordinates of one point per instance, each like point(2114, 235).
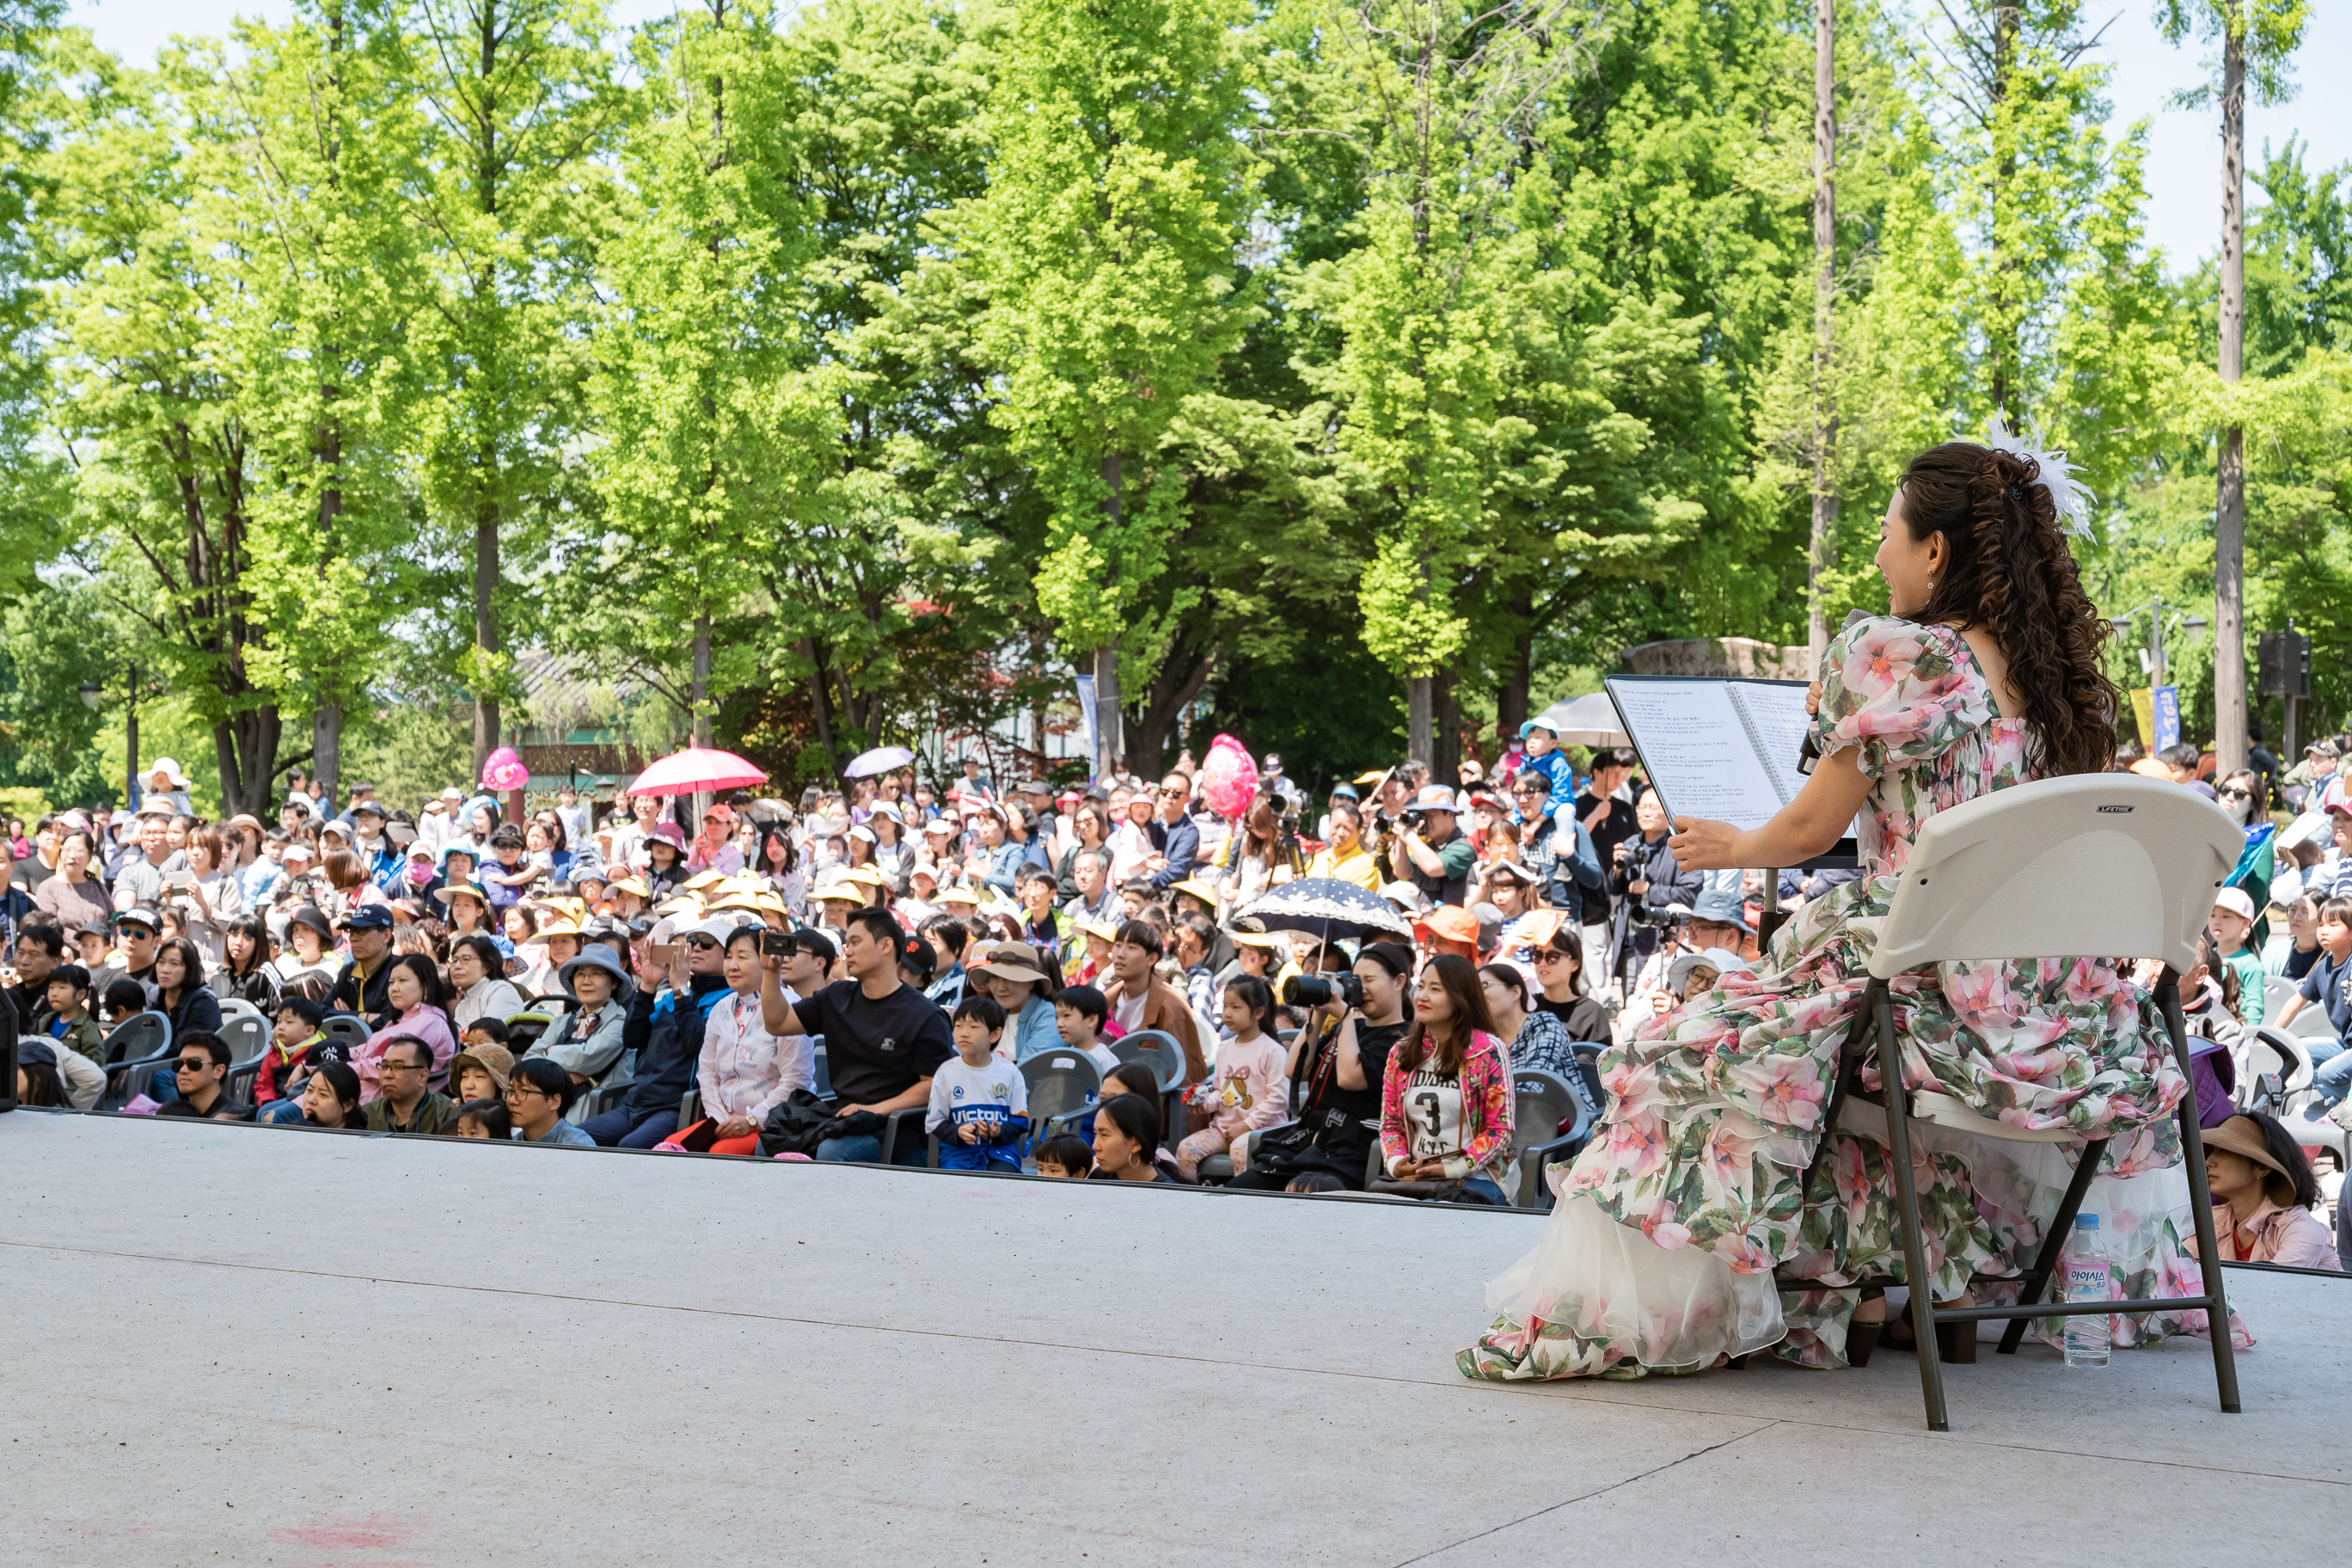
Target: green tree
point(1118, 193)
point(2259, 36)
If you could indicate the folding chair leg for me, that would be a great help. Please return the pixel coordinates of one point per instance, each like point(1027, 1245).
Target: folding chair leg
point(2053, 1244)
point(2201, 1207)
point(1906, 1194)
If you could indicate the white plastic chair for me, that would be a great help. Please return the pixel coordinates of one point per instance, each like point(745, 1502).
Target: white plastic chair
point(2111, 864)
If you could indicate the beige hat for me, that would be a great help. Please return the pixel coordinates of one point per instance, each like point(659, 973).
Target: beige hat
point(1012, 961)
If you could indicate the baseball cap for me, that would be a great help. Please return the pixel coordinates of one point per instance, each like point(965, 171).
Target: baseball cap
point(368, 917)
point(2236, 902)
point(147, 918)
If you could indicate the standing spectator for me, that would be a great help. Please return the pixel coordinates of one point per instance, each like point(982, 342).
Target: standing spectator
point(408, 1104)
point(140, 882)
point(37, 868)
point(206, 893)
point(884, 1040)
point(1445, 1100)
point(1608, 818)
point(1435, 854)
point(1175, 837)
point(1343, 854)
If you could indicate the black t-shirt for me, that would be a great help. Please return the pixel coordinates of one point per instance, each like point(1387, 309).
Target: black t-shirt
point(1584, 1018)
point(1335, 1116)
point(1615, 828)
point(876, 1050)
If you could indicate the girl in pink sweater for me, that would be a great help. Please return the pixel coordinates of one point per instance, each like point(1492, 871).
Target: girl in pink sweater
point(1250, 1088)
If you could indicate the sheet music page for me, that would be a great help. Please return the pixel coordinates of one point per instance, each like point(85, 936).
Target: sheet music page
point(1778, 714)
point(1698, 750)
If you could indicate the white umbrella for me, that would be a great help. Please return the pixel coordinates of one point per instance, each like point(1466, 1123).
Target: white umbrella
point(880, 760)
point(1585, 721)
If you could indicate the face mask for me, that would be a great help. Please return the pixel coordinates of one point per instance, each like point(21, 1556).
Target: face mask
point(419, 874)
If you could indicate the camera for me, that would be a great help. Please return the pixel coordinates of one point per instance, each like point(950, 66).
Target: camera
point(1321, 990)
point(1642, 914)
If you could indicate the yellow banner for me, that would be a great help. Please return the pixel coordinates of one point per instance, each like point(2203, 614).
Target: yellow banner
point(2143, 702)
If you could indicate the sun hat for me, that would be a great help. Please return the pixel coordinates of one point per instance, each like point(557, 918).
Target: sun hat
point(494, 1059)
point(2236, 901)
point(1109, 932)
point(683, 904)
point(596, 955)
point(463, 889)
point(1721, 960)
point(1433, 797)
point(1405, 896)
point(1197, 888)
point(713, 930)
point(669, 833)
point(170, 770)
point(1447, 922)
point(632, 883)
point(1271, 939)
point(840, 890)
point(961, 893)
point(1718, 904)
point(939, 825)
point(1516, 868)
point(2243, 1136)
point(1012, 961)
point(701, 880)
point(314, 919)
point(539, 938)
point(867, 875)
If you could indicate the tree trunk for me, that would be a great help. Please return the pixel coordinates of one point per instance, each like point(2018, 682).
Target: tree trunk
point(1037, 704)
point(701, 730)
point(1822, 559)
point(2001, 334)
point(1511, 697)
point(486, 632)
point(1109, 739)
point(2230, 504)
point(1417, 716)
point(1182, 673)
point(327, 746)
point(1445, 733)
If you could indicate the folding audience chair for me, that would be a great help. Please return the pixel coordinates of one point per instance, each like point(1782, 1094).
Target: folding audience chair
point(246, 1034)
point(349, 1028)
point(2094, 863)
point(1545, 1100)
point(139, 1045)
point(1164, 1053)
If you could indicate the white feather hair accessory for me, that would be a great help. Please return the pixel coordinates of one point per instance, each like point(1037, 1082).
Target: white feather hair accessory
point(2055, 474)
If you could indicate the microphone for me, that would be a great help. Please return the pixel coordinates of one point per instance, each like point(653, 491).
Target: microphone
point(1809, 755)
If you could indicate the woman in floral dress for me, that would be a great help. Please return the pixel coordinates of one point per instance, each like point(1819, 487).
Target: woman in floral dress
point(1684, 1234)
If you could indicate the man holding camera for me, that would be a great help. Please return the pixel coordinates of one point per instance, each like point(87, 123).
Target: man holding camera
point(1645, 882)
point(1436, 854)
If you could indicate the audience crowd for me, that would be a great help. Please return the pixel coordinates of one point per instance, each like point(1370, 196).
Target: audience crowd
point(896, 971)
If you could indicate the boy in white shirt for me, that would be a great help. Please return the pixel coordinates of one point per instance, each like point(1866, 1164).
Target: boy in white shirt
point(980, 1104)
point(1079, 1014)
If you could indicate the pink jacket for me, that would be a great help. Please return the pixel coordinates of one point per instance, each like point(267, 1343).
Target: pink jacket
point(427, 1024)
point(1488, 1104)
point(2273, 1235)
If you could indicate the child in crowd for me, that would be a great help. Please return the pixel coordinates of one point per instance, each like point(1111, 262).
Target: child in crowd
point(1250, 1088)
point(507, 874)
point(481, 1071)
point(2231, 924)
point(288, 1062)
point(67, 1019)
point(123, 1000)
point(979, 1102)
point(490, 1032)
point(485, 1119)
point(1064, 1157)
point(1080, 1012)
point(1316, 1182)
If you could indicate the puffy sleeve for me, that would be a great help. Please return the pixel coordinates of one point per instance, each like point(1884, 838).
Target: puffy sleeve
point(1900, 692)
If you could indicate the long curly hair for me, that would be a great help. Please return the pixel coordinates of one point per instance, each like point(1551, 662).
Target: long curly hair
point(2011, 572)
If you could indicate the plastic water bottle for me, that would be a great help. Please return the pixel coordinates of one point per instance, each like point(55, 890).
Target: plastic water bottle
point(2087, 1279)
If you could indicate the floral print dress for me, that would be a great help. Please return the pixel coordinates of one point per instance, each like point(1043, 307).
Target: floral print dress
point(1663, 1251)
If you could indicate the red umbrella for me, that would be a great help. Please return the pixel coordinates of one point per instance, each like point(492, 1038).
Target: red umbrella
point(697, 768)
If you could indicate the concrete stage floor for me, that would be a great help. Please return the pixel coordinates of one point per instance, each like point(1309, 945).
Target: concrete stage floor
point(244, 1345)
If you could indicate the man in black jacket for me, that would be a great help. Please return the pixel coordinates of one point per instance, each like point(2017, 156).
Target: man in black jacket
point(665, 1067)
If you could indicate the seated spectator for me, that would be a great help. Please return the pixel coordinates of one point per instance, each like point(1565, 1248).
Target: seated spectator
point(202, 1072)
point(485, 1119)
point(39, 949)
point(295, 1039)
point(1311, 1182)
point(1022, 983)
point(244, 974)
point(181, 994)
point(405, 1067)
point(478, 983)
point(2263, 1195)
point(537, 1096)
point(1139, 1000)
point(947, 936)
point(482, 1072)
point(330, 1098)
point(1250, 1088)
point(1559, 974)
point(309, 949)
point(65, 1018)
point(744, 1071)
point(979, 1102)
point(883, 1040)
point(667, 1061)
point(1344, 1074)
point(1080, 1013)
point(120, 1001)
point(490, 1032)
point(586, 1041)
point(38, 1082)
point(1066, 1157)
point(2324, 985)
point(1445, 1100)
point(413, 994)
point(1126, 1141)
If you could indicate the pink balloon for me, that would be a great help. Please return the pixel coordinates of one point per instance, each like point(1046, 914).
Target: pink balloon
point(1228, 778)
point(503, 771)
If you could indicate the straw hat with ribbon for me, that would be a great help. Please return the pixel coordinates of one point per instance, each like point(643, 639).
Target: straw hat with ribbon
point(1012, 961)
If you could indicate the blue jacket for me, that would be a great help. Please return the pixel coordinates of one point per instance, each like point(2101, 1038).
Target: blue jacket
point(1563, 774)
point(1179, 842)
point(665, 1067)
point(1003, 867)
point(1567, 884)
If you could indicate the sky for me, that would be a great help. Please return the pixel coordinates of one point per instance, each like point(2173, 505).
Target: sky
point(2184, 169)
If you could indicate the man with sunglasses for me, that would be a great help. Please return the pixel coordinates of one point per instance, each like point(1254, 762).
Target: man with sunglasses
point(1175, 837)
point(1569, 881)
point(201, 1075)
point(665, 1066)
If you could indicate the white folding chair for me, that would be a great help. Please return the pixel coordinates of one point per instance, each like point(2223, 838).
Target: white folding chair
point(2110, 864)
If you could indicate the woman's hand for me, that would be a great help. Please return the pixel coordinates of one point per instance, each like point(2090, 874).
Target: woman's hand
point(737, 1127)
point(1813, 698)
point(1699, 845)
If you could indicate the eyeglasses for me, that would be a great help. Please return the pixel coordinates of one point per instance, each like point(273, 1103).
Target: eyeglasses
point(517, 1091)
point(387, 1065)
point(193, 1064)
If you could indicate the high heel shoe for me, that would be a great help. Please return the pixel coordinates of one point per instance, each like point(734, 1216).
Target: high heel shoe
point(1861, 1338)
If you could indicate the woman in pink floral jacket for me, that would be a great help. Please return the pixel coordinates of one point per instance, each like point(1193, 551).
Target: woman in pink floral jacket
point(1446, 1097)
point(1663, 1252)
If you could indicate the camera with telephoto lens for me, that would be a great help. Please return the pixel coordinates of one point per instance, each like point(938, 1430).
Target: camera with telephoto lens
point(1642, 914)
point(1321, 990)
